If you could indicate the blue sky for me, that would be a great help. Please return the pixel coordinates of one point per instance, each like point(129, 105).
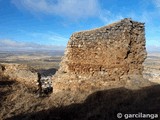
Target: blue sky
point(48, 24)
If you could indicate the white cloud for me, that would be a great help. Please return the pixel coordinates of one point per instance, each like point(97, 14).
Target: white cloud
point(48, 36)
point(7, 44)
point(10, 43)
point(153, 45)
point(153, 48)
point(74, 9)
point(44, 37)
point(108, 17)
point(157, 3)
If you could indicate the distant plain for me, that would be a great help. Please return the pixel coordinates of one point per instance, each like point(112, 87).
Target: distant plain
point(18, 102)
point(50, 59)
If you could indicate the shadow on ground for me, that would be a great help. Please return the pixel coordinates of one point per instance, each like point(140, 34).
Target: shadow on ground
point(5, 85)
point(47, 72)
point(103, 105)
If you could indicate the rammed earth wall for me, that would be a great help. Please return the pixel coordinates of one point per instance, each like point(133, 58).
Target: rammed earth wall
point(111, 51)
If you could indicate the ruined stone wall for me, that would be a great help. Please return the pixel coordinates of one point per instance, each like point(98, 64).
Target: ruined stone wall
point(111, 51)
point(96, 57)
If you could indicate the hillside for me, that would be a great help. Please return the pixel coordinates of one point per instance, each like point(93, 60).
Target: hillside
point(18, 102)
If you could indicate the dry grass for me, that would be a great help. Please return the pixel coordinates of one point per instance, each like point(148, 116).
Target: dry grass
point(20, 103)
point(16, 98)
point(102, 105)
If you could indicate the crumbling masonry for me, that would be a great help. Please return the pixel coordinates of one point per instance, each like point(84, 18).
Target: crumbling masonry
point(110, 52)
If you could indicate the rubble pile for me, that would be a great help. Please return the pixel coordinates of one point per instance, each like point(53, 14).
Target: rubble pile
point(46, 84)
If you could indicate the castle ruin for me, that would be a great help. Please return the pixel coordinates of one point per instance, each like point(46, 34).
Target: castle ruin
point(110, 53)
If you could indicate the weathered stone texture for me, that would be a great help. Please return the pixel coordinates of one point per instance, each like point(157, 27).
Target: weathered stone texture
point(109, 52)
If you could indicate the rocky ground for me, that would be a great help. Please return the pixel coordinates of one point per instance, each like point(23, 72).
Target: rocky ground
point(19, 102)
